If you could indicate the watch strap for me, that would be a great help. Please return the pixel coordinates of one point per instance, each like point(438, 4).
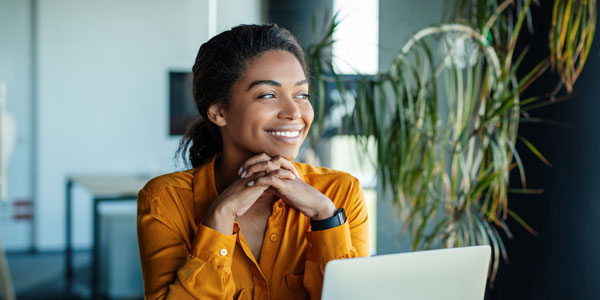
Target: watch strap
point(338, 219)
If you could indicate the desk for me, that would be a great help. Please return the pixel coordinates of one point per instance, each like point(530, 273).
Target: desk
point(104, 188)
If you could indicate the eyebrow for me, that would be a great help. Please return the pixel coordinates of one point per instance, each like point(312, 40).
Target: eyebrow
point(273, 82)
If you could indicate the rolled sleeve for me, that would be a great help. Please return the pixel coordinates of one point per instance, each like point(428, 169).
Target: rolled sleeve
point(328, 244)
point(213, 246)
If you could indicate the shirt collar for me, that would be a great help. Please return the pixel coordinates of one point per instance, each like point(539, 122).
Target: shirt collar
point(203, 185)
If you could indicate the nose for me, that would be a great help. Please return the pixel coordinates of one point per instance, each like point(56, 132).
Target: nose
point(289, 109)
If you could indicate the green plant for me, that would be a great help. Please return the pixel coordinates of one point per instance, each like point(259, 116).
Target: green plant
point(318, 56)
point(445, 116)
point(573, 26)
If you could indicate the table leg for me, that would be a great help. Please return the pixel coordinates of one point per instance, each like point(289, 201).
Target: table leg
point(6, 285)
point(96, 250)
point(69, 238)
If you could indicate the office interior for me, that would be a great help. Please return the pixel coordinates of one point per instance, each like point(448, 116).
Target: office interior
point(88, 115)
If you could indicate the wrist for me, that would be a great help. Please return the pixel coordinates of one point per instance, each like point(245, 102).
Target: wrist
point(325, 212)
point(220, 218)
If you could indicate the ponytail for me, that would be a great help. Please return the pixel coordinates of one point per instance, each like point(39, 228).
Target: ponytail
point(200, 142)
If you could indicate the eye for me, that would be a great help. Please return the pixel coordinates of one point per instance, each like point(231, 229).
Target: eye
point(303, 96)
point(266, 96)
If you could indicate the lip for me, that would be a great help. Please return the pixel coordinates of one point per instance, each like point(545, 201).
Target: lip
point(289, 127)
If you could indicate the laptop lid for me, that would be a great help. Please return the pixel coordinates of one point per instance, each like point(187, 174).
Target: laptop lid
point(450, 274)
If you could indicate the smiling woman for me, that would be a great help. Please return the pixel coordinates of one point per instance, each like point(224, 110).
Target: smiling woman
point(247, 222)
point(269, 109)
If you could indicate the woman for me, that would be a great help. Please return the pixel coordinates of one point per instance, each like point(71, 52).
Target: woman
point(247, 222)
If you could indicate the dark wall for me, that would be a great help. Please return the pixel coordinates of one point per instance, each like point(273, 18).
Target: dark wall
point(296, 16)
point(563, 262)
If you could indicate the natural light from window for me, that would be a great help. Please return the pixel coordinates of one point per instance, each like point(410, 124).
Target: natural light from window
point(356, 51)
point(357, 37)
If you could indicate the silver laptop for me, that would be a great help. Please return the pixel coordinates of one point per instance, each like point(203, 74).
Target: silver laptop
point(451, 274)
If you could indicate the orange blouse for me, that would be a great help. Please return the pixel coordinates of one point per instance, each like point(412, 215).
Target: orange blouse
point(183, 259)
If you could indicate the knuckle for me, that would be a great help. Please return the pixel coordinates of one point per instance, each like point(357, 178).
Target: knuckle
point(253, 168)
point(266, 180)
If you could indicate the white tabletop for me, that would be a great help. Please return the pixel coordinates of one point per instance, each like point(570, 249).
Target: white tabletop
point(112, 186)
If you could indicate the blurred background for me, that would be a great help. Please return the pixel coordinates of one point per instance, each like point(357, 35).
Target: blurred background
point(96, 98)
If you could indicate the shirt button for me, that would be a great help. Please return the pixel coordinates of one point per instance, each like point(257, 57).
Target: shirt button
point(223, 252)
point(263, 283)
point(310, 245)
point(273, 237)
point(281, 204)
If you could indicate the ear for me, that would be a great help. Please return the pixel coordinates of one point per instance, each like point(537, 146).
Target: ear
point(216, 114)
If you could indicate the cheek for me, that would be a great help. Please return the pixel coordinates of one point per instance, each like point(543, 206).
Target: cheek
point(253, 120)
point(308, 113)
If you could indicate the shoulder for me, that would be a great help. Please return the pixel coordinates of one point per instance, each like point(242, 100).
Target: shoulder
point(176, 180)
point(329, 181)
point(322, 173)
point(167, 197)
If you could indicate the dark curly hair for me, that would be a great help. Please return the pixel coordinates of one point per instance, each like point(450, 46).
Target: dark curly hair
point(219, 64)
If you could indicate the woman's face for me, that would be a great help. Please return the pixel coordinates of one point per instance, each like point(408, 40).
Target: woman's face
point(269, 109)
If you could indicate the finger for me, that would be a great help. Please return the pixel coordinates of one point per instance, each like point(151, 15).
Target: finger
point(270, 166)
point(252, 177)
point(253, 160)
point(286, 164)
point(283, 174)
point(264, 166)
point(266, 181)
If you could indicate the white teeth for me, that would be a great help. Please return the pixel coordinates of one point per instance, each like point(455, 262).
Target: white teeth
point(284, 133)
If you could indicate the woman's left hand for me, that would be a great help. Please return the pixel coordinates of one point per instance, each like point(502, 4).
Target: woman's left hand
point(285, 182)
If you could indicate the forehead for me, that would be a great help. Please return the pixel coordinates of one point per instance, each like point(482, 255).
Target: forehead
point(274, 65)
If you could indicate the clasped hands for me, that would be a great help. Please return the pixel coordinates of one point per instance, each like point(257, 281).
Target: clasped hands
point(265, 174)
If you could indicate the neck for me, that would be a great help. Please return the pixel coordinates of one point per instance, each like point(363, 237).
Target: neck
point(227, 166)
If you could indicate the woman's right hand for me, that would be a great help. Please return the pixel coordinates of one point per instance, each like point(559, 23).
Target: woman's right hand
point(233, 202)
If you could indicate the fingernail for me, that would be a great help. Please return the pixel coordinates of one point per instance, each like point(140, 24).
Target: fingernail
point(240, 170)
point(293, 177)
point(250, 183)
point(243, 174)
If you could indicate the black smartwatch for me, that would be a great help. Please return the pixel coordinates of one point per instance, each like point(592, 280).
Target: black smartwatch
point(338, 219)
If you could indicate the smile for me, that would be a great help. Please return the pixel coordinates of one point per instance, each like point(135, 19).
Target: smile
point(292, 134)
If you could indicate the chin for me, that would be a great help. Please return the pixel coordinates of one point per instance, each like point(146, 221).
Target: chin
point(289, 155)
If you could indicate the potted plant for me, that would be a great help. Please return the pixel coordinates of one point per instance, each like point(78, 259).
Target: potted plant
point(445, 116)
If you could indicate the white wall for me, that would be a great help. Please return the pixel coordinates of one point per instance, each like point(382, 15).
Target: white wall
point(103, 99)
point(15, 71)
point(234, 12)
